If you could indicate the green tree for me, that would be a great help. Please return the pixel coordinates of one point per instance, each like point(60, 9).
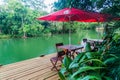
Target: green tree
point(16, 14)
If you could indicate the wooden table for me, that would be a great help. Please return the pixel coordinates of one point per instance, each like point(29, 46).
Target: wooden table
point(95, 43)
point(71, 49)
point(96, 40)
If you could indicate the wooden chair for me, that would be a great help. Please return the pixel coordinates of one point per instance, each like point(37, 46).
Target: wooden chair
point(84, 41)
point(58, 57)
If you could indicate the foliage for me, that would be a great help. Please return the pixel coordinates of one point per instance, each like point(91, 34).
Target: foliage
point(80, 4)
point(112, 6)
point(99, 65)
point(86, 66)
point(113, 47)
point(16, 17)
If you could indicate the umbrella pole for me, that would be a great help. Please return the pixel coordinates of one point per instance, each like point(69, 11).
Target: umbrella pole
point(98, 30)
point(70, 30)
point(70, 36)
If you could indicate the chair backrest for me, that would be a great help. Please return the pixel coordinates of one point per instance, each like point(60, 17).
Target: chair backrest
point(59, 51)
point(84, 40)
point(57, 45)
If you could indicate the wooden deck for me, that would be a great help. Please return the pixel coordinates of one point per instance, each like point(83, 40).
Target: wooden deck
point(33, 69)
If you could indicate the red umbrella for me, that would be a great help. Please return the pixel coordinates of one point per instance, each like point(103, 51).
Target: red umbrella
point(116, 19)
point(72, 14)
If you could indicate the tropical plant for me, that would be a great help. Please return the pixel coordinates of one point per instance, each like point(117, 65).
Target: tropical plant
point(98, 65)
point(86, 66)
point(113, 48)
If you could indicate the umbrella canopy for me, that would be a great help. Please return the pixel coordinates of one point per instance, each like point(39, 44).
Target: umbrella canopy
point(116, 19)
point(72, 14)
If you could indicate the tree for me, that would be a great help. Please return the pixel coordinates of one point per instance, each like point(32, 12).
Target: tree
point(16, 14)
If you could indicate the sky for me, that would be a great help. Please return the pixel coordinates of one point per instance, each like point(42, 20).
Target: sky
point(0, 2)
point(48, 4)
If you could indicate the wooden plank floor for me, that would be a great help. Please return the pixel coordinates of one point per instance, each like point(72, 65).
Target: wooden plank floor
point(33, 69)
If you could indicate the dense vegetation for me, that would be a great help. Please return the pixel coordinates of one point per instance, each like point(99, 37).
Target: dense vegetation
point(18, 19)
point(102, 64)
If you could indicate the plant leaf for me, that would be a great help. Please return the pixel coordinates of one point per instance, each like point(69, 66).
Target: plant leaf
point(87, 47)
point(89, 77)
point(62, 77)
point(66, 62)
point(89, 55)
point(78, 57)
point(99, 62)
point(74, 65)
point(107, 78)
point(110, 60)
point(75, 62)
point(84, 69)
point(63, 70)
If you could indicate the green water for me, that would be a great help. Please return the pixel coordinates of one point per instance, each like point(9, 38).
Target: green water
point(14, 50)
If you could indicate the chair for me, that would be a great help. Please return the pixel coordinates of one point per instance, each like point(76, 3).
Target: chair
point(83, 43)
point(93, 45)
point(58, 57)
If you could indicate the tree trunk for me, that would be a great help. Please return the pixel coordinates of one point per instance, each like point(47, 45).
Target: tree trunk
point(24, 36)
point(22, 25)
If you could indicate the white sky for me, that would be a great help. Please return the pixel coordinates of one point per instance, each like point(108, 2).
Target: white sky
point(0, 2)
point(48, 4)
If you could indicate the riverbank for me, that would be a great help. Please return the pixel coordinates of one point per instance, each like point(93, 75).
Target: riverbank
point(38, 68)
point(6, 36)
point(3, 36)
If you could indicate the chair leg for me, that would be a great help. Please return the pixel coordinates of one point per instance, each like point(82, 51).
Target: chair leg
point(72, 54)
point(54, 65)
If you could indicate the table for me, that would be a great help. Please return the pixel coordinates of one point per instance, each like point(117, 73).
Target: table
point(96, 40)
point(95, 43)
point(71, 48)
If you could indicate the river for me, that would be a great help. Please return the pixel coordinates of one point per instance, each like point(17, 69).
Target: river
point(14, 50)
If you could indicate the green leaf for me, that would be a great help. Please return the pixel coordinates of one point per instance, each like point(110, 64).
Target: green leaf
point(87, 47)
point(84, 69)
point(75, 62)
point(74, 65)
point(89, 55)
point(78, 57)
point(99, 62)
point(82, 58)
point(107, 78)
point(89, 77)
point(114, 56)
point(66, 62)
point(109, 60)
point(62, 77)
point(63, 70)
